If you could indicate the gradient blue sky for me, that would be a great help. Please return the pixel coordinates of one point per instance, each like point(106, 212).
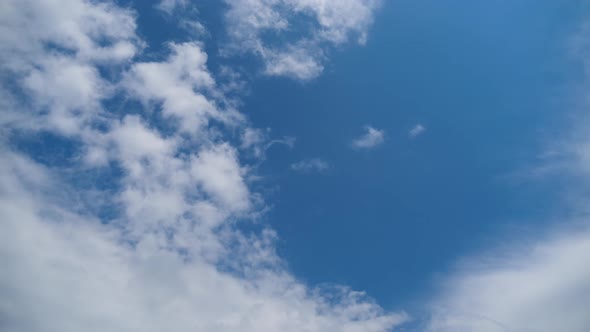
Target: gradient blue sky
point(440, 166)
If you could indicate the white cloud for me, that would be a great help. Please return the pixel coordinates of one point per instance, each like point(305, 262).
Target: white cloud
point(253, 137)
point(542, 284)
point(64, 272)
point(258, 141)
point(310, 165)
point(217, 170)
point(179, 85)
point(90, 31)
point(168, 6)
point(372, 138)
point(67, 88)
point(329, 23)
point(416, 131)
point(296, 61)
point(540, 287)
point(172, 256)
point(57, 57)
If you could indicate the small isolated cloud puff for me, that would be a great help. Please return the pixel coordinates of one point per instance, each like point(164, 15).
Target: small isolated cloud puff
point(314, 165)
point(416, 131)
point(372, 138)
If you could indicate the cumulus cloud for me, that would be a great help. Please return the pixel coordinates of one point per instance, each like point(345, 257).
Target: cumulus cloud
point(312, 165)
point(179, 86)
point(329, 24)
point(165, 250)
point(57, 59)
point(372, 138)
point(416, 131)
point(92, 32)
point(67, 272)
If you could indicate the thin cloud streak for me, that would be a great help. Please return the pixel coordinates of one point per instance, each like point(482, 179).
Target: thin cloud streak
point(314, 165)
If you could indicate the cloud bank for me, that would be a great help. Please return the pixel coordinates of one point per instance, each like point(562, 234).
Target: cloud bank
point(138, 226)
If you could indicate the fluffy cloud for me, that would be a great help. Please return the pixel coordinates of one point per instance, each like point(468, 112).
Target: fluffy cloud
point(90, 31)
point(179, 85)
point(164, 250)
point(328, 23)
point(310, 165)
point(66, 272)
point(372, 138)
point(57, 59)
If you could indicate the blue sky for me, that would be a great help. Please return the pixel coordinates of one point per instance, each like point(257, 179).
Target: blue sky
point(486, 94)
point(294, 165)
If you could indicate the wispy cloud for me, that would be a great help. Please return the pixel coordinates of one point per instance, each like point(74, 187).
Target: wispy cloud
point(310, 165)
point(258, 141)
point(536, 287)
point(372, 138)
point(542, 283)
point(169, 6)
point(416, 131)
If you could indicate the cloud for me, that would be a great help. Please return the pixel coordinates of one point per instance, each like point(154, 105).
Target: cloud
point(257, 141)
point(416, 131)
point(372, 138)
point(65, 272)
point(250, 23)
point(540, 287)
point(158, 244)
point(541, 284)
point(179, 86)
point(296, 61)
point(57, 59)
point(169, 6)
point(91, 32)
point(314, 165)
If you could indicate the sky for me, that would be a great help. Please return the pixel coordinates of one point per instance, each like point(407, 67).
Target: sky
point(294, 165)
